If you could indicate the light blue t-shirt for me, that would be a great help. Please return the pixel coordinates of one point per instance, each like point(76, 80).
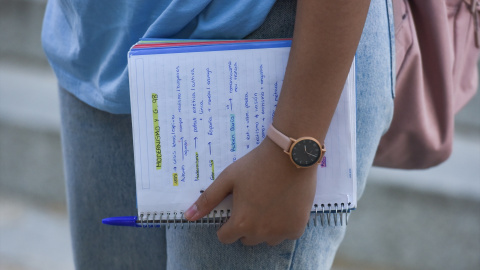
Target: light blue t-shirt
point(86, 41)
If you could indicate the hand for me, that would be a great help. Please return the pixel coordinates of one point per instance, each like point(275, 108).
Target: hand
point(272, 198)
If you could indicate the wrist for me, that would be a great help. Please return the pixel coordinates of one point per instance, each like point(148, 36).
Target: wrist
point(304, 152)
point(281, 159)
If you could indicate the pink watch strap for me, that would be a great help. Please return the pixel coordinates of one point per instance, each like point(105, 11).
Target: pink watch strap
point(279, 138)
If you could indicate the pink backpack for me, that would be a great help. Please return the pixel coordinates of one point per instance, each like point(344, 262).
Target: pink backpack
point(437, 46)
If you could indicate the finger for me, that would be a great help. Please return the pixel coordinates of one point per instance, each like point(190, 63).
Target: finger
point(209, 199)
point(250, 241)
point(229, 233)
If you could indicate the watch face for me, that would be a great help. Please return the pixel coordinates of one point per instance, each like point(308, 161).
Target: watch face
point(306, 152)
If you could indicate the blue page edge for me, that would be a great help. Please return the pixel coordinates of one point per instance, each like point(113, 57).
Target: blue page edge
point(212, 47)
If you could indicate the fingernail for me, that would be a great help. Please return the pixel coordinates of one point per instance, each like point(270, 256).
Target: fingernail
point(190, 213)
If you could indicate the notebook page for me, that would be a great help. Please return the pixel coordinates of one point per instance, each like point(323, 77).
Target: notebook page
point(195, 113)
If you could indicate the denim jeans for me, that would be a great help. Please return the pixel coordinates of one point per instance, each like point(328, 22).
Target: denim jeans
point(99, 170)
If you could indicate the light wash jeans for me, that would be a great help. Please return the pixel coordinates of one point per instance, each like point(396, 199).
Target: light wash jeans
point(99, 170)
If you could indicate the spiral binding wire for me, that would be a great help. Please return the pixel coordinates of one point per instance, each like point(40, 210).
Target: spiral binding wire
point(331, 214)
point(328, 215)
point(177, 219)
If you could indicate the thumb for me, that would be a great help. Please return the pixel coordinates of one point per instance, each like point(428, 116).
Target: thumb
point(210, 198)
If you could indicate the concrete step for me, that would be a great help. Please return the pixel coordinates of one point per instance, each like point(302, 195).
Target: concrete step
point(21, 24)
point(33, 236)
point(30, 156)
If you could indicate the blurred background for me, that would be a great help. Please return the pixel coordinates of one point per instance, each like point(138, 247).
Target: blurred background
point(426, 219)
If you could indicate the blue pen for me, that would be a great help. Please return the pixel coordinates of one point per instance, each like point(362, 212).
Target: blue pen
point(130, 221)
point(133, 221)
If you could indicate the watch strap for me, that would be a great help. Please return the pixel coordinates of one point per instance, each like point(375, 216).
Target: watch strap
point(279, 138)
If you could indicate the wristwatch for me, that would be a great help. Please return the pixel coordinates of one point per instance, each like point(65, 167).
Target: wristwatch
point(304, 152)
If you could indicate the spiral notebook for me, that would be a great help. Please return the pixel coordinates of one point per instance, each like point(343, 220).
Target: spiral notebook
point(197, 106)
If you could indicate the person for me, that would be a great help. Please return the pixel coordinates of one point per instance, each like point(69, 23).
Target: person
point(86, 43)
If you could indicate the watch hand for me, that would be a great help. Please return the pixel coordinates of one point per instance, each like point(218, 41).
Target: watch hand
point(306, 149)
point(311, 154)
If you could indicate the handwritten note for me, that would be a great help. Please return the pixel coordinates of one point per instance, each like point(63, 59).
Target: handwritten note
point(194, 113)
